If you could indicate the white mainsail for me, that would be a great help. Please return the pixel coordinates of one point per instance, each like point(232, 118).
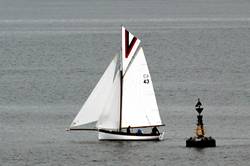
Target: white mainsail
point(139, 102)
point(99, 97)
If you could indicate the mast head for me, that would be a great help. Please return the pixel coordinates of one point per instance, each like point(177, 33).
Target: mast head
point(198, 107)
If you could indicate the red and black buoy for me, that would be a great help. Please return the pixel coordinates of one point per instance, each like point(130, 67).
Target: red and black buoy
point(200, 140)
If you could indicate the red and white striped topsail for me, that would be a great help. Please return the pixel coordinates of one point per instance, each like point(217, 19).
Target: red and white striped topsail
point(130, 44)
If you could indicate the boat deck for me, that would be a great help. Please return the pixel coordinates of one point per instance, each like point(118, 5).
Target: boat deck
point(125, 133)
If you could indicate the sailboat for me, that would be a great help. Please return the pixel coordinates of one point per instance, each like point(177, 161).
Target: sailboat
point(123, 99)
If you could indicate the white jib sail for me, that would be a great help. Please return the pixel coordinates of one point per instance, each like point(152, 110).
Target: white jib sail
point(130, 43)
point(93, 107)
point(110, 116)
point(139, 102)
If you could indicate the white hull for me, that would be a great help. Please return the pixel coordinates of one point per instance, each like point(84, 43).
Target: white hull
point(123, 137)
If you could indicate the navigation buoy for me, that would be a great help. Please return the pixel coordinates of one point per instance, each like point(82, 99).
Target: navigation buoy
point(200, 140)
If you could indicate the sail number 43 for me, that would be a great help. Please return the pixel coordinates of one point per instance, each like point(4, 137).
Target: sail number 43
point(146, 78)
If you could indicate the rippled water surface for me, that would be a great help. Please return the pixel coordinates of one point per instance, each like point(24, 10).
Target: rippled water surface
point(52, 54)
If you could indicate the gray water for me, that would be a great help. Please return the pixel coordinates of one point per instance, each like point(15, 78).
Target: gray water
point(52, 54)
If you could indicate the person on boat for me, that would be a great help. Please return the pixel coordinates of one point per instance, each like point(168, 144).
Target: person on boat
point(139, 132)
point(155, 131)
point(128, 129)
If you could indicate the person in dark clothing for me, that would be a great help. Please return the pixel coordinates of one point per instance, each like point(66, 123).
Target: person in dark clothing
point(139, 132)
point(128, 129)
point(155, 131)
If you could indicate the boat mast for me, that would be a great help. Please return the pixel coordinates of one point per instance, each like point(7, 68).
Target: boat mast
point(121, 85)
point(121, 89)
